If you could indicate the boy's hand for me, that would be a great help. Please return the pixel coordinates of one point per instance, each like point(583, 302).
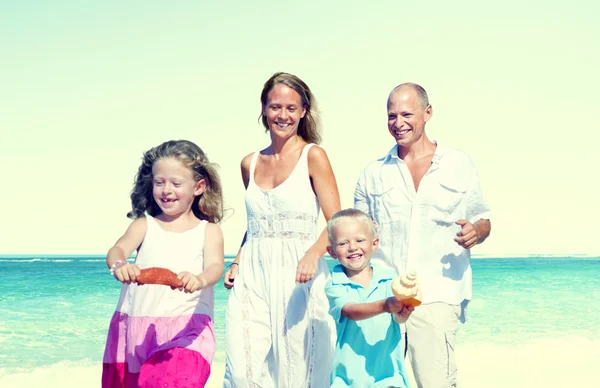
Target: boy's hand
point(191, 282)
point(393, 305)
point(127, 273)
point(404, 313)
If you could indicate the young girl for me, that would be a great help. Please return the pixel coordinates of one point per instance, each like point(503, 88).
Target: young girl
point(160, 336)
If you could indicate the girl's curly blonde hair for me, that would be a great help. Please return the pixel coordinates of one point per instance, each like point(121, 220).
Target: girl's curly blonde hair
point(207, 206)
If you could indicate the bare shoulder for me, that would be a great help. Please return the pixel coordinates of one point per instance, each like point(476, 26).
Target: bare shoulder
point(213, 231)
point(139, 224)
point(246, 161)
point(317, 155)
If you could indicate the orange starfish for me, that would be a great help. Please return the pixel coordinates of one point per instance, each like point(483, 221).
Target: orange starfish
point(158, 275)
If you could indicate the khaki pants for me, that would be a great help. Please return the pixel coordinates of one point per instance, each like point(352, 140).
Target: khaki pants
point(431, 331)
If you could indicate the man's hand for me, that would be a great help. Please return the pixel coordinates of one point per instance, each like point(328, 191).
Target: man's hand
point(468, 236)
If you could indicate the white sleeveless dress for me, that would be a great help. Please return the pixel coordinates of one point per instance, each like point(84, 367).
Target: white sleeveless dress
point(279, 333)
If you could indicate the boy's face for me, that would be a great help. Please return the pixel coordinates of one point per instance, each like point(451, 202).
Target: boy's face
point(353, 244)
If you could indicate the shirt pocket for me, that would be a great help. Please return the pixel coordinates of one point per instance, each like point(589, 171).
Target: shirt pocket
point(446, 199)
point(390, 204)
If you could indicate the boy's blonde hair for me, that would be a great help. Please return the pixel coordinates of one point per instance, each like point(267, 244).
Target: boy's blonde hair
point(354, 214)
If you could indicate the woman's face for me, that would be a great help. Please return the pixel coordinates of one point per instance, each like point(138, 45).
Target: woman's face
point(283, 111)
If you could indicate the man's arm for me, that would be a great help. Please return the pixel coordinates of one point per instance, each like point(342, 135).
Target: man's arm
point(360, 196)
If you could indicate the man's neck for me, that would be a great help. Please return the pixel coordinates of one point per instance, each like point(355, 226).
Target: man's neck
point(424, 147)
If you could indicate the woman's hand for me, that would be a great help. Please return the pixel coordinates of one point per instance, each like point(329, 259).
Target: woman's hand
point(307, 268)
point(230, 275)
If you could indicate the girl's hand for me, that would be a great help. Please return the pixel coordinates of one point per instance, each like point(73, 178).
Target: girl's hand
point(191, 282)
point(307, 268)
point(127, 273)
point(230, 275)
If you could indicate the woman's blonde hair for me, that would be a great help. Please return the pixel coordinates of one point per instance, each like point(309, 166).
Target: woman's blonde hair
point(309, 128)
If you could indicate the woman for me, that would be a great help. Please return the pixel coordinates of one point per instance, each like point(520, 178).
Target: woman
point(279, 332)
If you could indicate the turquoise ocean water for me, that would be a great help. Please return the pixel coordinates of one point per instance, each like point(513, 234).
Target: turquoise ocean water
point(55, 310)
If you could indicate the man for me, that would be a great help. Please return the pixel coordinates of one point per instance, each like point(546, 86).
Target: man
point(427, 203)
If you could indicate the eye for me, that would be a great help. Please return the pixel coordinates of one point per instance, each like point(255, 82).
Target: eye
point(292, 109)
point(391, 117)
point(342, 243)
point(176, 184)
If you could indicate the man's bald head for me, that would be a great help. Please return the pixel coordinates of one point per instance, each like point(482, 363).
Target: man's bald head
point(421, 94)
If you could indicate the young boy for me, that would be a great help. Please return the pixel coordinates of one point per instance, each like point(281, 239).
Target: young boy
point(369, 349)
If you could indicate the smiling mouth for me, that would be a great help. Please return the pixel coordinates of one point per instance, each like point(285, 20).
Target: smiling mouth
point(354, 257)
point(402, 132)
point(283, 125)
point(167, 200)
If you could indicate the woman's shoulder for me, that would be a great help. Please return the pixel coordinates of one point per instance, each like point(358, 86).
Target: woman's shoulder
point(317, 155)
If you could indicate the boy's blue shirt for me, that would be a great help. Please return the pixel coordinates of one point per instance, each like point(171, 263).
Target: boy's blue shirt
point(369, 352)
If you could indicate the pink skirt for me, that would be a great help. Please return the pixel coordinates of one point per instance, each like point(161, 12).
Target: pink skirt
point(158, 351)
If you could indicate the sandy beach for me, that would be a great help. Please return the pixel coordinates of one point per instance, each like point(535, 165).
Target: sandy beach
point(567, 362)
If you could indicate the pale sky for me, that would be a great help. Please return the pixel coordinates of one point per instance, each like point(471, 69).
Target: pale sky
point(87, 86)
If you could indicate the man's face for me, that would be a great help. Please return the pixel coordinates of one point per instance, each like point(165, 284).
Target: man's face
point(406, 116)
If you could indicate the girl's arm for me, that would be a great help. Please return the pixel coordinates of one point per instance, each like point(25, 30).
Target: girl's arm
point(325, 187)
point(213, 256)
point(116, 258)
point(213, 262)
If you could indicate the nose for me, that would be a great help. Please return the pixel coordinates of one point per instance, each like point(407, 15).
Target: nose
point(352, 246)
point(283, 113)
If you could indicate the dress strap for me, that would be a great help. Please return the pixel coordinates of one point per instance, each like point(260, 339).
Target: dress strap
point(253, 165)
point(304, 156)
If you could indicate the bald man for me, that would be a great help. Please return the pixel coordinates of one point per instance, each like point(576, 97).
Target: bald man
point(427, 203)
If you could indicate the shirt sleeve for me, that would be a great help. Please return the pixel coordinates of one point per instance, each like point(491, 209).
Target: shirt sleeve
point(338, 297)
point(360, 196)
point(477, 209)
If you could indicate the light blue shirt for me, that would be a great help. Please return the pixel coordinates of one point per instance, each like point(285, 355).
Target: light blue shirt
point(369, 352)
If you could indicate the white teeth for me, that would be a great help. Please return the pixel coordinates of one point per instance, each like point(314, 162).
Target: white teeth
point(403, 132)
point(282, 125)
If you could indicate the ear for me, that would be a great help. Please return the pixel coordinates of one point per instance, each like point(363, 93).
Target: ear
point(303, 111)
point(200, 187)
point(331, 252)
point(375, 244)
point(428, 113)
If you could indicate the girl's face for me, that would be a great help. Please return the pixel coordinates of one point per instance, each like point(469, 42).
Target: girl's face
point(174, 187)
point(283, 111)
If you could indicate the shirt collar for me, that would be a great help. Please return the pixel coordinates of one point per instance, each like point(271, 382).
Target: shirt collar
point(392, 155)
point(338, 276)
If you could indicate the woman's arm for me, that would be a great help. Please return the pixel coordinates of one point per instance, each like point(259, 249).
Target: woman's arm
point(233, 268)
point(326, 190)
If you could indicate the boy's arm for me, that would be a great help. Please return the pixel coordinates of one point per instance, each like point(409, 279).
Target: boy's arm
point(360, 311)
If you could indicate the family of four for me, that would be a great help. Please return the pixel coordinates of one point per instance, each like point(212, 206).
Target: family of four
point(289, 322)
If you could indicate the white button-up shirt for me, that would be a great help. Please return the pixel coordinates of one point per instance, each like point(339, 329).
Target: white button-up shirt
point(417, 228)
